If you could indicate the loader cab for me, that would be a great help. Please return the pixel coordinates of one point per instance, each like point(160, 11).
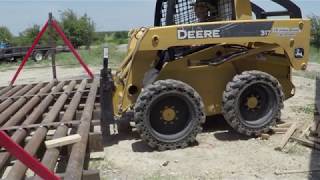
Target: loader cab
point(176, 12)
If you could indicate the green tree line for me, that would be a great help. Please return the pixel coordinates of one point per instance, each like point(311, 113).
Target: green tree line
point(315, 31)
point(79, 29)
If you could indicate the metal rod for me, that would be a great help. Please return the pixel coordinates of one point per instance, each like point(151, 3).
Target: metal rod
point(15, 119)
point(41, 95)
point(4, 90)
point(54, 125)
point(19, 135)
point(69, 44)
point(78, 152)
point(46, 66)
point(9, 101)
point(5, 115)
point(53, 51)
point(24, 157)
point(12, 91)
point(25, 59)
point(18, 170)
point(51, 155)
point(106, 90)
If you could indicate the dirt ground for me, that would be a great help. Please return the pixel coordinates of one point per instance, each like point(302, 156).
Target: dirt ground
point(220, 153)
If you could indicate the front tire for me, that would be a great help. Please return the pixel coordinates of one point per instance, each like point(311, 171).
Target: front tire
point(168, 114)
point(252, 102)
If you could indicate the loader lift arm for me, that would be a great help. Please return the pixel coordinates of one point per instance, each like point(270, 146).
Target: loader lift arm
point(291, 10)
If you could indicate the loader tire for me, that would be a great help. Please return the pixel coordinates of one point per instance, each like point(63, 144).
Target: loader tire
point(168, 115)
point(252, 102)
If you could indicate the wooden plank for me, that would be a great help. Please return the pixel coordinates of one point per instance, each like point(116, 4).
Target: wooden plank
point(287, 136)
point(296, 171)
point(314, 139)
point(265, 136)
point(284, 125)
point(306, 143)
point(63, 141)
point(279, 130)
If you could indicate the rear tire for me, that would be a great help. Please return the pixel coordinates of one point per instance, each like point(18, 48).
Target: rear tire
point(168, 114)
point(38, 56)
point(50, 56)
point(252, 102)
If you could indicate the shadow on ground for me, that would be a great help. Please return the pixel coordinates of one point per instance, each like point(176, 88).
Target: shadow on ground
point(215, 125)
point(314, 164)
point(221, 129)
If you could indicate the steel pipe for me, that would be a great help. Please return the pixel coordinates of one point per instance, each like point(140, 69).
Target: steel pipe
point(78, 152)
point(19, 135)
point(18, 170)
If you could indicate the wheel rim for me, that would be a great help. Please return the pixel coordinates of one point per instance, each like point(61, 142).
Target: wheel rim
point(257, 105)
point(38, 57)
point(50, 57)
point(170, 115)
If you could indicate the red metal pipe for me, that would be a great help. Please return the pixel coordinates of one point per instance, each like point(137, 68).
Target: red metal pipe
point(68, 43)
point(26, 158)
point(25, 59)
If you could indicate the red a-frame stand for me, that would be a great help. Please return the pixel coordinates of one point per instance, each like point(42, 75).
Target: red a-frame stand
point(53, 23)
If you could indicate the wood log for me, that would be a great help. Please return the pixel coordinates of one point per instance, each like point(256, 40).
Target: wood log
point(279, 130)
point(265, 136)
point(307, 143)
point(63, 141)
point(295, 171)
point(284, 125)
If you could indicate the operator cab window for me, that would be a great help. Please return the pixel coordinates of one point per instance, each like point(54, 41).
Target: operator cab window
point(176, 12)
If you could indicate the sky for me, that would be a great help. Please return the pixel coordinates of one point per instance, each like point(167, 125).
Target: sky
point(108, 15)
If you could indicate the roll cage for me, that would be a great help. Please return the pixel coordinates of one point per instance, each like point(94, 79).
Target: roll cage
point(174, 12)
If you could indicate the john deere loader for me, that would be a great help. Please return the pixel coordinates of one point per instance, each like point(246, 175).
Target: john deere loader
point(236, 62)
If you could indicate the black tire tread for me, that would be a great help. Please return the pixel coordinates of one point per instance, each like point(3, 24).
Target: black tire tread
point(155, 89)
point(233, 89)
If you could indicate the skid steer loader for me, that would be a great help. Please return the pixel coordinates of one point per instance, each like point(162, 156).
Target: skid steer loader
point(236, 62)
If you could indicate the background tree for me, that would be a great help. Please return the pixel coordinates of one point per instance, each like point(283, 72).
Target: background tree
point(5, 34)
point(80, 30)
point(27, 36)
point(315, 31)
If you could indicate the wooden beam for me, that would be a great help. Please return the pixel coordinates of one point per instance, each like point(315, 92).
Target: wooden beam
point(314, 139)
point(287, 136)
point(279, 130)
point(307, 143)
point(63, 141)
point(296, 171)
point(284, 125)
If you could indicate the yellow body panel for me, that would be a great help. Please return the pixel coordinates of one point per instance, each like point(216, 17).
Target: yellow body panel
point(167, 37)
